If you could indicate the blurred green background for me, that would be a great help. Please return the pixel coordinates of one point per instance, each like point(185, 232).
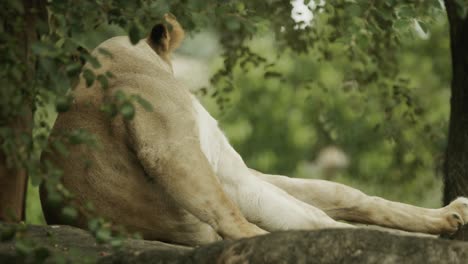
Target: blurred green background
point(281, 128)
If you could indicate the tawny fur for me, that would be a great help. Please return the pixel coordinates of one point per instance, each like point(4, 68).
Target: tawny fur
point(172, 175)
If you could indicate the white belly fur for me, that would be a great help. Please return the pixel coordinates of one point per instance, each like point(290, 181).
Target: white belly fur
point(211, 137)
point(225, 161)
point(259, 201)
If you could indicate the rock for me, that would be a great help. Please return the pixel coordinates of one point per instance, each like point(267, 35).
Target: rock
point(73, 244)
point(360, 245)
point(339, 246)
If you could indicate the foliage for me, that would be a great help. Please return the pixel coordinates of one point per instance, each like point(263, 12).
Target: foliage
point(394, 134)
point(357, 83)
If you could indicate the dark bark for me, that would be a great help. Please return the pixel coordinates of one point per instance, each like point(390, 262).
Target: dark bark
point(13, 183)
point(320, 246)
point(456, 163)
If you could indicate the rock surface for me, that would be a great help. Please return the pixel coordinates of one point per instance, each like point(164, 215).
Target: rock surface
point(322, 246)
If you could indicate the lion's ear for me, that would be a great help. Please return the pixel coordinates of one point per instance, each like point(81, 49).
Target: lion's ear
point(159, 37)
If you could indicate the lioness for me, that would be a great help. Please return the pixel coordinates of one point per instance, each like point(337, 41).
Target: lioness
point(172, 175)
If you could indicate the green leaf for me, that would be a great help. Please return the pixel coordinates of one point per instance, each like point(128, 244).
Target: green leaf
point(144, 103)
point(240, 6)
point(103, 235)
point(89, 206)
point(103, 81)
point(60, 42)
point(127, 110)
point(109, 74)
point(116, 243)
point(354, 10)
point(73, 68)
point(69, 214)
point(54, 199)
point(233, 24)
point(402, 25)
point(60, 147)
point(76, 137)
point(36, 180)
point(89, 76)
point(406, 11)
point(41, 254)
point(41, 49)
point(94, 224)
point(7, 233)
point(24, 247)
point(63, 103)
point(109, 108)
point(120, 96)
point(134, 34)
point(462, 8)
point(93, 61)
point(423, 27)
point(272, 74)
point(105, 52)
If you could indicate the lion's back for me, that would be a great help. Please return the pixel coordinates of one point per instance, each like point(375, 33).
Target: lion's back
point(110, 176)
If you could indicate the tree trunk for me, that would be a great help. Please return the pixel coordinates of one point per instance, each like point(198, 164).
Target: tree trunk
point(13, 181)
point(456, 163)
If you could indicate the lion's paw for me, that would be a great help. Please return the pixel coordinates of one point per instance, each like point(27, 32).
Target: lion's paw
point(455, 215)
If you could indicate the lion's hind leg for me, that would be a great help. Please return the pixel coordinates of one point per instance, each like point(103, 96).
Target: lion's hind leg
point(342, 202)
point(168, 148)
